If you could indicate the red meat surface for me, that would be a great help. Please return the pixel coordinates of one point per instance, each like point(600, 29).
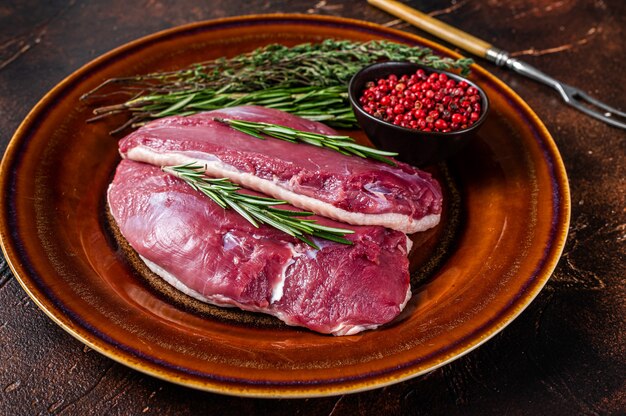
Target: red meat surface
point(346, 188)
point(217, 256)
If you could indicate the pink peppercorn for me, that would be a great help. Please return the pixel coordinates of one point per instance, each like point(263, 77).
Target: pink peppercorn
point(427, 102)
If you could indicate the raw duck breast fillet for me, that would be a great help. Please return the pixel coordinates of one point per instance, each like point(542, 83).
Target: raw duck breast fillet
point(218, 257)
point(346, 188)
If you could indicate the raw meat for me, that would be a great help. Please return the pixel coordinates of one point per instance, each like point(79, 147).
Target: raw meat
point(346, 188)
point(218, 257)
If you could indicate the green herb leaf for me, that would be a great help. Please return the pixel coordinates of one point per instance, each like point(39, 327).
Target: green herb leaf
point(257, 209)
point(309, 80)
point(341, 144)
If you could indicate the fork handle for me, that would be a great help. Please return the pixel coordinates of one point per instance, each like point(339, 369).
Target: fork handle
point(435, 27)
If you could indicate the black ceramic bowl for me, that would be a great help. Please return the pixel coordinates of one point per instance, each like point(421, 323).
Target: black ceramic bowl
point(413, 146)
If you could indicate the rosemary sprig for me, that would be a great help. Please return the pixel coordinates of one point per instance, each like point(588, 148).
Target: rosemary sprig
point(342, 144)
point(318, 66)
point(256, 209)
point(329, 105)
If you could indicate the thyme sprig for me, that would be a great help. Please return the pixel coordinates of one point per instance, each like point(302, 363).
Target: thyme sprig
point(318, 66)
point(342, 144)
point(256, 209)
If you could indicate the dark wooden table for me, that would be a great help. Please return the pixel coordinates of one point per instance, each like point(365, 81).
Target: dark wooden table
point(565, 355)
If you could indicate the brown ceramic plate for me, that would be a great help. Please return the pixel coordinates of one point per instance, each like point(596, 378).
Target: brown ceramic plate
point(503, 231)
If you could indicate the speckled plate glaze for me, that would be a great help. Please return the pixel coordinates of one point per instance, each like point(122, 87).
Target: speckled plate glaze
point(503, 231)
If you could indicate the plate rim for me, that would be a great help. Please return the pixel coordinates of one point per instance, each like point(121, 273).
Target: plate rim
point(563, 212)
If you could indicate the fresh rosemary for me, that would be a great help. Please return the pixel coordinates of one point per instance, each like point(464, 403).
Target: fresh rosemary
point(256, 209)
point(309, 80)
point(341, 144)
point(327, 104)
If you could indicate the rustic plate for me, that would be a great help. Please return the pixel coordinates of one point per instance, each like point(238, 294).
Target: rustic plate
point(504, 229)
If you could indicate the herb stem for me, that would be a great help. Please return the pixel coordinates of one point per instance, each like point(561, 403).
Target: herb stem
point(257, 209)
point(341, 144)
point(308, 80)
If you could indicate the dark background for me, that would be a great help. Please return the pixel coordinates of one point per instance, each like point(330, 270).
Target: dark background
point(565, 355)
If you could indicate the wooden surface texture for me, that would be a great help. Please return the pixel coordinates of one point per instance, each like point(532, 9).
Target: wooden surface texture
point(565, 355)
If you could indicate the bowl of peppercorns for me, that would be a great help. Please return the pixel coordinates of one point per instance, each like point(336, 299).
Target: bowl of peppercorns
point(424, 114)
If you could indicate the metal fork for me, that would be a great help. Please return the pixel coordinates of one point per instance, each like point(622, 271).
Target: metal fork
point(571, 95)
